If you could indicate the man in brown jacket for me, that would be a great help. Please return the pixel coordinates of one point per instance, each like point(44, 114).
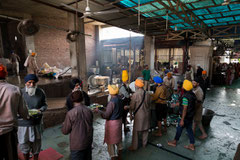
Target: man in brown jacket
point(11, 104)
point(161, 104)
point(141, 115)
point(79, 123)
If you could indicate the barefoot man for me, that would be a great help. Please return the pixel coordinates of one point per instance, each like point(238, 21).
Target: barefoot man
point(198, 108)
point(187, 104)
point(160, 99)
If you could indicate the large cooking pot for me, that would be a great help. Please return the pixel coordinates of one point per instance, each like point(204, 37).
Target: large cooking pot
point(102, 80)
point(207, 116)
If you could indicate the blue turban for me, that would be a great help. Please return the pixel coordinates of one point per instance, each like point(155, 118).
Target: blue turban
point(158, 79)
point(31, 77)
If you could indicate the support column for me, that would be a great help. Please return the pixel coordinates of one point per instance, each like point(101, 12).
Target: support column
point(78, 51)
point(97, 44)
point(149, 50)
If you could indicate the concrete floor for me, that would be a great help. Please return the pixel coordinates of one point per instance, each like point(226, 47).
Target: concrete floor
point(224, 134)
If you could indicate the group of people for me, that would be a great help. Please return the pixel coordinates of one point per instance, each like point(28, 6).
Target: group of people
point(79, 119)
point(30, 63)
point(138, 105)
point(232, 72)
point(19, 126)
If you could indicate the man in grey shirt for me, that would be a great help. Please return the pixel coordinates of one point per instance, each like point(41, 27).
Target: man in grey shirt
point(29, 131)
point(11, 104)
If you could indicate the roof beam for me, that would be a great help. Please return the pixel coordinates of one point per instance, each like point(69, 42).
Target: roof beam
point(222, 31)
point(73, 2)
point(183, 6)
point(176, 12)
point(111, 3)
point(186, 17)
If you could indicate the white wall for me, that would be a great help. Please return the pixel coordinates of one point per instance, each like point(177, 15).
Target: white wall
point(201, 55)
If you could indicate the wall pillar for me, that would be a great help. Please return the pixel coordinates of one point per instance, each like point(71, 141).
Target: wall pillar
point(78, 51)
point(149, 51)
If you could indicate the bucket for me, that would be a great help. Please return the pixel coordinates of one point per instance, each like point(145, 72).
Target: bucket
point(207, 116)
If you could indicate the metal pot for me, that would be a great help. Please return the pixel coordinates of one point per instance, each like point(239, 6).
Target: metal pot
point(207, 116)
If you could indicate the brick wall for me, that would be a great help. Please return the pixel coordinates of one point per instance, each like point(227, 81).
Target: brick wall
point(50, 44)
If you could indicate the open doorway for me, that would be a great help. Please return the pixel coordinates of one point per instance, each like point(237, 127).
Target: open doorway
point(11, 40)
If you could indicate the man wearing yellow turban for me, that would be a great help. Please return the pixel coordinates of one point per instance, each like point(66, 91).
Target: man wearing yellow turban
point(187, 111)
point(124, 93)
point(113, 125)
point(140, 107)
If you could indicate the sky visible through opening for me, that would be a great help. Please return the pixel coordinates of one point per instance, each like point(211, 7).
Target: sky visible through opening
point(115, 32)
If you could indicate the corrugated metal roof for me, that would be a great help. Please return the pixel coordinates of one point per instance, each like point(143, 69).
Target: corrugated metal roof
point(146, 8)
point(177, 21)
point(127, 3)
point(188, 1)
point(201, 12)
point(158, 5)
point(203, 4)
point(161, 12)
point(212, 16)
point(227, 19)
point(143, 1)
point(218, 9)
point(210, 21)
point(234, 6)
point(211, 12)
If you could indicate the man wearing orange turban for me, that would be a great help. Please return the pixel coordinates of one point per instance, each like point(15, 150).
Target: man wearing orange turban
point(169, 81)
point(204, 83)
point(11, 104)
point(31, 64)
point(3, 72)
point(140, 108)
point(139, 83)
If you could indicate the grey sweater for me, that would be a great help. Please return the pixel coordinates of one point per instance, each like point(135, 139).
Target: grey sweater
point(38, 101)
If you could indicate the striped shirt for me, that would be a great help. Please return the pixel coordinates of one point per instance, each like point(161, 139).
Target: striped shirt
point(185, 101)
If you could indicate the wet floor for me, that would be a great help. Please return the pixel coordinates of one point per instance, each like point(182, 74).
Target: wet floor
point(224, 134)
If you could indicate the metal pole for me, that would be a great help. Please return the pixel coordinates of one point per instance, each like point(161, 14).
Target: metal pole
point(76, 26)
point(130, 50)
